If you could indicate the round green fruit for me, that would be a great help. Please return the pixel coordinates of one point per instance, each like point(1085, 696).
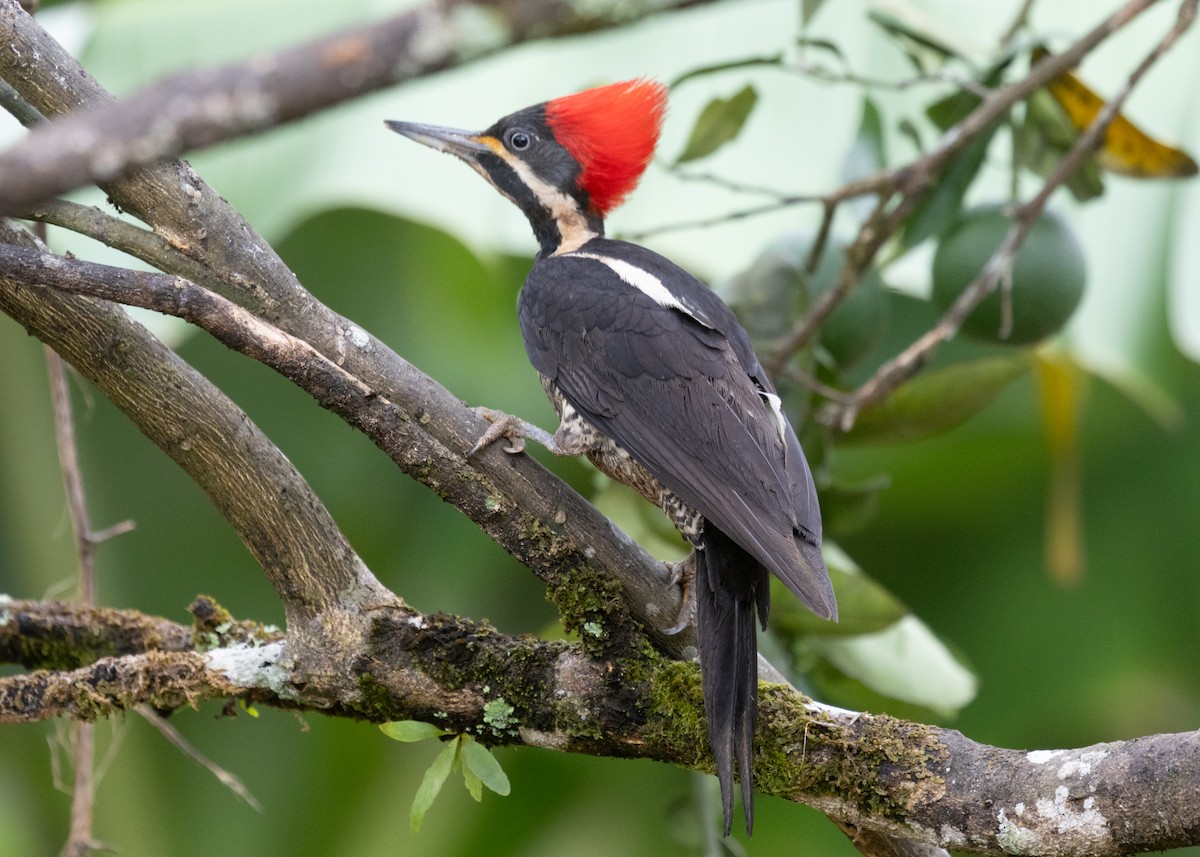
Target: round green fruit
point(1048, 274)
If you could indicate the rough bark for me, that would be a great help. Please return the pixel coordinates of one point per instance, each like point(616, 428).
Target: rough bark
point(883, 779)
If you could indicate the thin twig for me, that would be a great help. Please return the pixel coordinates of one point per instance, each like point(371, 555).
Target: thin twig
point(79, 839)
point(227, 779)
point(820, 73)
point(1019, 22)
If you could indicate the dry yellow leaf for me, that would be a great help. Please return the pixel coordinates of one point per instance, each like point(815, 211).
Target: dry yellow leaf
point(1127, 149)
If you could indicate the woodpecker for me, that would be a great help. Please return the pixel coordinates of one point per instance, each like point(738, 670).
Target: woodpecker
point(655, 381)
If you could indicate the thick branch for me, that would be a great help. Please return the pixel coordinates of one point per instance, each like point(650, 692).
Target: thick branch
point(197, 109)
point(582, 542)
point(62, 635)
point(873, 773)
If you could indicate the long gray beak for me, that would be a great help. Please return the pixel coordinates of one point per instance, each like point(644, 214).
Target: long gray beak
point(467, 145)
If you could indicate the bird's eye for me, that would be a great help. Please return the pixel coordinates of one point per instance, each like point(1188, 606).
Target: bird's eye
point(519, 141)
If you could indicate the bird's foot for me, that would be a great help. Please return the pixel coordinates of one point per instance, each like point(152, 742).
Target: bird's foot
point(683, 574)
point(514, 429)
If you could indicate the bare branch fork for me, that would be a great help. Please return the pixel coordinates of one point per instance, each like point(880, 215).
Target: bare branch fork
point(355, 649)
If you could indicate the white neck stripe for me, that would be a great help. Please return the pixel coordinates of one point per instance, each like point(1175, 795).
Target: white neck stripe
point(573, 229)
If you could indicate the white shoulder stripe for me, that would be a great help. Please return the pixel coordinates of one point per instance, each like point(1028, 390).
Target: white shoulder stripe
point(776, 405)
point(646, 283)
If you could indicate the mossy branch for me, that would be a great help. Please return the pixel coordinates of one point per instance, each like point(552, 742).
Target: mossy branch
point(873, 773)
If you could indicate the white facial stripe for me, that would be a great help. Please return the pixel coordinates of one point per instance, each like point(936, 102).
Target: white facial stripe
point(776, 413)
point(572, 225)
point(646, 283)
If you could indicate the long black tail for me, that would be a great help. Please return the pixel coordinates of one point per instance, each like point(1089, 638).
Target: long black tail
point(731, 588)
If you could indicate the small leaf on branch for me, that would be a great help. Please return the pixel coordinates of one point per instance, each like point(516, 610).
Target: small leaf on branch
point(719, 123)
point(431, 784)
point(410, 730)
point(479, 760)
point(867, 154)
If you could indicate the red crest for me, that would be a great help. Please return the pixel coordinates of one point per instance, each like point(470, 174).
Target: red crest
point(611, 131)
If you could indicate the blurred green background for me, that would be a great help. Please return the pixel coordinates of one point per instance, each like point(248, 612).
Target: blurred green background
point(959, 535)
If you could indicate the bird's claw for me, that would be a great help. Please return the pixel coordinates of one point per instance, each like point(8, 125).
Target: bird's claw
point(502, 425)
point(683, 574)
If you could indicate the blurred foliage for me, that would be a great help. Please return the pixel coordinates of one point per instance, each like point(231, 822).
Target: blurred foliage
point(949, 502)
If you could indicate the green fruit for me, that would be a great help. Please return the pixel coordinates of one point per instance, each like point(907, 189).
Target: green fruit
point(1048, 274)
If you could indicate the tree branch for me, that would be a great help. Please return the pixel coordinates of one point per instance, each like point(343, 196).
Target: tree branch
point(250, 481)
point(576, 551)
point(560, 530)
point(912, 181)
point(874, 774)
point(907, 363)
point(197, 109)
point(383, 661)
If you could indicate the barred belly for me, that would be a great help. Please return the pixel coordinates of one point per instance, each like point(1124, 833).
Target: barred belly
point(576, 436)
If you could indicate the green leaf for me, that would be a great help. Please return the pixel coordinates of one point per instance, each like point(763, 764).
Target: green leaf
point(809, 8)
point(1044, 138)
point(940, 207)
point(483, 764)
point(905, 662)
point(410, 730)
point(473, 783)
point(919, 34)
point(949, 111)
point(867, 154)
point(864, 606)
point(719, 123)
point(937, 401)
point(432, 783)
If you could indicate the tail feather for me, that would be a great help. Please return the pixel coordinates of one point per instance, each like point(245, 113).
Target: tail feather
point(731, 588)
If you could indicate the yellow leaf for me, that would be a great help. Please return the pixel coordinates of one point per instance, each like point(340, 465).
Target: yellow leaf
point(1127, 149)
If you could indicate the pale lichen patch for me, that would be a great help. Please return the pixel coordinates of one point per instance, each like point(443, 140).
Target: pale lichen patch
point(1056, 825)
point(1081, 766)
point(255, 667)
point(1041, 757)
